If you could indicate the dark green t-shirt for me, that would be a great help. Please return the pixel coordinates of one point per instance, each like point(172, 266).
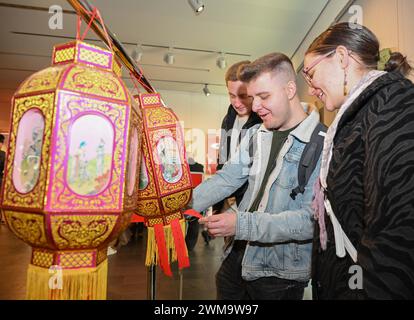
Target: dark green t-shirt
point(279, 138)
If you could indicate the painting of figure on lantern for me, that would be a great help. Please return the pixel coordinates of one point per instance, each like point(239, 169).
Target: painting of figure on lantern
point(90, 155)
point(29, 143)
point(169, 159)
point(143, 175)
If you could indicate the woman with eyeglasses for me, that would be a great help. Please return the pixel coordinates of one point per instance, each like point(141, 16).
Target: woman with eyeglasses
point(364, 200)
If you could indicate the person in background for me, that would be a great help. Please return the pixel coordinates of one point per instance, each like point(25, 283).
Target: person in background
point(269, 239)
point(364, 200)
point(239, 121)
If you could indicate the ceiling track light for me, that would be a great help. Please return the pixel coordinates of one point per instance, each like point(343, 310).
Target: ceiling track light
point(197, 5)
point(169, 57)
point(137, 53)
point(206, 90)
point(221, 61)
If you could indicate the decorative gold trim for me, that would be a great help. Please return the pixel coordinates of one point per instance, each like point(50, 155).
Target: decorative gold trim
point(81, 231)
point(43, 80)
point(35, 198)
point(28, 227)
point(96, 82)
point(175, 201)
point(64, 55)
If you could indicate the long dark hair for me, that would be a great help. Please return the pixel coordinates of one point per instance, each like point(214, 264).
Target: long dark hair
point(362, 42)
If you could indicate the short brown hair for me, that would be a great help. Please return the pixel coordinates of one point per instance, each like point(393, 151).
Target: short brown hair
point(272, 62)
point(231, 74)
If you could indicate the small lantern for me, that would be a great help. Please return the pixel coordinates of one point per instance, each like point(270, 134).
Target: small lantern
point(164, 184)
point(72, 170)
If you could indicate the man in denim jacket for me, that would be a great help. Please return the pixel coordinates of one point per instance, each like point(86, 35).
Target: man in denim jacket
point(268, 252)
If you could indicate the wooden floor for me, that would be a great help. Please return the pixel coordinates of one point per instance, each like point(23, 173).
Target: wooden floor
point(127, 275)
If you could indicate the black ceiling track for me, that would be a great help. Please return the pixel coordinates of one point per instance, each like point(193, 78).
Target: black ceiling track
point(33, 8)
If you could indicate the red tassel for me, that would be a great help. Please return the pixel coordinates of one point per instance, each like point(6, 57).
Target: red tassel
point(182, 257)
point(193, 213)
point(162, 249)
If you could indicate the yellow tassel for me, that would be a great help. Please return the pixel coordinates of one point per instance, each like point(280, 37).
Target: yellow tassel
point(67, 284)
point(152, 250)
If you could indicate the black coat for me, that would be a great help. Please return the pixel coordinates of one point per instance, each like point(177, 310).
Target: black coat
point(227, 125)
point(371, 190)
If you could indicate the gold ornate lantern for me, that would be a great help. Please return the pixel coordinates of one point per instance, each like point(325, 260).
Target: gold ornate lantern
point(164, 185)
point(71, 176)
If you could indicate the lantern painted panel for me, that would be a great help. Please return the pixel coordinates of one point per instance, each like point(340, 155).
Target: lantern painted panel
point(90, 157)
point(168, 159)
point(39, 104)
point(109, 185)
point(133, 162)
point(171, 172)
point(29, 143)
point(143, 176)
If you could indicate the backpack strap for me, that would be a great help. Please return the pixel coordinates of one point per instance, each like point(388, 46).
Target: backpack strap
point(309, 159)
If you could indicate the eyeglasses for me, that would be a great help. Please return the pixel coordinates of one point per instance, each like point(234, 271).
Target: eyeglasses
point(305, 72)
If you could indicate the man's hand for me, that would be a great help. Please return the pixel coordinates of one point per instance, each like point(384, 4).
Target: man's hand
point(220, 225)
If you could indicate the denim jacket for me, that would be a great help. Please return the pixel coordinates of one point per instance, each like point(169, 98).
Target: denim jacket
point(279, 234)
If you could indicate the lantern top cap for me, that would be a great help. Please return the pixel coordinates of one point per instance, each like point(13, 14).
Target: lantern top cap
point(82, 52)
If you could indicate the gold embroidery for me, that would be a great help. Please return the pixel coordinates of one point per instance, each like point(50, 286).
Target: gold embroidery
point(76, 259)
point(43, 80)
point(151, 99)
point(98, 58)
point(63, 55)
point(176, 201)
point(101, 255)
point(117, 67)
point(171, 217)
point(81, 231)
point(148, 208)
point(96, 82)
point(28, 227)
point(158, 117)
point(42, 258)
point(153, 221)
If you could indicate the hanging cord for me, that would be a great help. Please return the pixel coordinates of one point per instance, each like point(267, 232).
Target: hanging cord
point(93, 15)
point(134, 82)
point(139, 80)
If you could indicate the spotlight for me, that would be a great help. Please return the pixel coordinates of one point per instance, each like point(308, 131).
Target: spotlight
point(169, 57)
point(197, 5)
point(221, 61)
point(137, 53)
point(206, 90)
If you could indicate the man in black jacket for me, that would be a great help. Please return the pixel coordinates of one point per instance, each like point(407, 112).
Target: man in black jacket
point(238, 121)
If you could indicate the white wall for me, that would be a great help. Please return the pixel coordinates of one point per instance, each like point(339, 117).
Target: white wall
point(201, 114)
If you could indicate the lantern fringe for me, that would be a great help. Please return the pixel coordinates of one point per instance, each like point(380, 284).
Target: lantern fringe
point(152, 257)
point(79, 284)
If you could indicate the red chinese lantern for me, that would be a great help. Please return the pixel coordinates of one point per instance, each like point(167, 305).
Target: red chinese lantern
point(164, 185)
point(70, 181)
